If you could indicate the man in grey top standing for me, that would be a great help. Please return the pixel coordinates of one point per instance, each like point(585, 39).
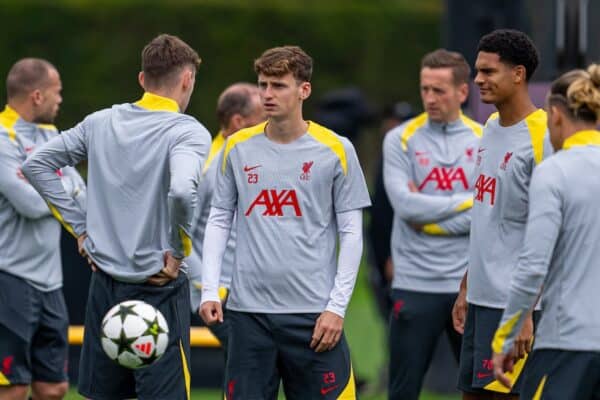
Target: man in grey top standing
point(144, 165)
point(33, 314)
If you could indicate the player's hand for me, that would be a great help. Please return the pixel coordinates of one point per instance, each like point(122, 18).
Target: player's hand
point(211, 312)
point(169, 272)
point(80, 239)
point(459, 311)
point(503, 363)
point(525, 339)
point(388, 270)
point(412, 187)
point(327, 332)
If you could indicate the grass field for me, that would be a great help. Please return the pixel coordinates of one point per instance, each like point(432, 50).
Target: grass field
point(365, 332)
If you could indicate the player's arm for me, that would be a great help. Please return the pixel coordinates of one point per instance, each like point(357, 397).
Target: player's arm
point(413, 206)
point(218, 228)
point(543, 226)
point(75, 186)
point(456, 225)
point(66, 149)
point(15, 187)
point(186, 157)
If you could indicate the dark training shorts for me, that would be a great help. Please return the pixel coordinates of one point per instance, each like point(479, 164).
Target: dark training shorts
point(101, 378)
point(33, 333)
point(416, 322)
point(561, 374)
point(476, 373)
point(264, 348)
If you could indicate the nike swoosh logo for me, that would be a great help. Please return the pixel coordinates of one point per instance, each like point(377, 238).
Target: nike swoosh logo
point(247, 168)
point(326, 390)
point(420, 153)
point(480, 150)
point(28, 149)
point(481, 376)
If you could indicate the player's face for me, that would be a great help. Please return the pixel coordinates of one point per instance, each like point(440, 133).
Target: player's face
point(282, 96)
point(441, 97)
point(494, 78)
point(48, 102)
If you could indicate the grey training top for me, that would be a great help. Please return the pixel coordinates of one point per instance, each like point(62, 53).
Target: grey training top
point(29, 235)
point(286, 197)
point(561, 252)
point(506, 159)
point(144, 164)
point(440, 160)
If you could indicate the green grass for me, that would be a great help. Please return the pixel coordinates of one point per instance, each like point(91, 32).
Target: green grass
point(365, 332)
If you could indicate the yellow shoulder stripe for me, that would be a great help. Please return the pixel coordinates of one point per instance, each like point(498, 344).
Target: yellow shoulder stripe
point(216, 146)
point(475, 127)
point(154, 102)
point(60, 219)
point(331, 140)
point(411, 129)
point(349, 392)
point(582, 138)
point(8, 119)
point(496, 386)
point(492, 117)
point(48, 127)
point(537, 125)
point(239, 137)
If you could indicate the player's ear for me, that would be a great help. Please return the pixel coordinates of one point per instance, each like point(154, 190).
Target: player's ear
point(37, 97)
point(520, 74)
point(141, 79)
point(236, 122)
point(463, 92)
point(305, 90)
point(187, 79)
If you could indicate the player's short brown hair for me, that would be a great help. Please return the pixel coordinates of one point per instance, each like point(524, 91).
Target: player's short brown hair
point(164, 57)
point(279, 61)
point(442, 58)
point(27, 75)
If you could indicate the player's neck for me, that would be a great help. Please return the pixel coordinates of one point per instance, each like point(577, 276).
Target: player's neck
point(286, 129)
point(23, 110)
point(515, 109)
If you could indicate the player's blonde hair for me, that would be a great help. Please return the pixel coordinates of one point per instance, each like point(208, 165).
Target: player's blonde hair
point(579, 92)
point(279, 61)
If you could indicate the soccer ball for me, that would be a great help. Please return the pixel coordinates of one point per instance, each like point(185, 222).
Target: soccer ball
point(134, 334)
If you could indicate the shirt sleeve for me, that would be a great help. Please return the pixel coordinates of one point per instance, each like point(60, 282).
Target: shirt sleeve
point(187, 156)
point(77, 186)
point(413, 206)
point(218, 228)
point(15, 187)
point(67, 149)
point(543, 227)
point(225, 194)
point(351, 245)
point(456, 225)
point(349, 187)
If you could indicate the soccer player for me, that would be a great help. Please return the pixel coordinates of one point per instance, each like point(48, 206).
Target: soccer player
point(238, 107)
point(429, 164)
point(296, 187)
point(514, 142)
point(33, 314)
point(561, 253)
point(144, 164)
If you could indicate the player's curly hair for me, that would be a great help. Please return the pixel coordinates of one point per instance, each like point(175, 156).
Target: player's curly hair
point(514, 47)
point(279, 61)
point(578, 91)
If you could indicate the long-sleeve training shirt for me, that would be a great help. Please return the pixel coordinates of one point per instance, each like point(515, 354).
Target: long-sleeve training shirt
point(288, 199)
point(29, 235)
point(561, 252)
point(506, 158)
point(440, 160)
point(205, 192)
point(144, 164)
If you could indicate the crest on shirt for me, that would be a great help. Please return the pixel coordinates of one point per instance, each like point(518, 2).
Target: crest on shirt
point(306, 166)
point(507, 157)
point(469, 153)
point(422, 158)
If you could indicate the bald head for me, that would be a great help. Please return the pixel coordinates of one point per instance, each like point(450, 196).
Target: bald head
point(26, 76)
point(239, 107)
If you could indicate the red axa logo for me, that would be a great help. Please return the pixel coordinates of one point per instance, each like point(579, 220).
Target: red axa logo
point(7, 364)
point(507, 157)
point(275, 201)
point(485, 185)
point(305, 175)
point(145, 348)
point(444, 177)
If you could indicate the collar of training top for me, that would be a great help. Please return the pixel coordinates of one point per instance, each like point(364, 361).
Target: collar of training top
point(583, 138)
point(154, 102)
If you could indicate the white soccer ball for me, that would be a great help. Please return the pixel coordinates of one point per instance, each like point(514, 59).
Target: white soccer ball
point(134, 334)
